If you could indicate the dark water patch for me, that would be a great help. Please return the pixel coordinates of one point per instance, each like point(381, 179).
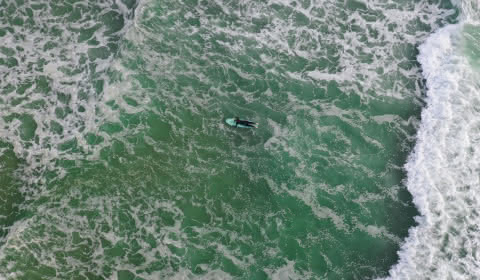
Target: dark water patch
point(10, 193)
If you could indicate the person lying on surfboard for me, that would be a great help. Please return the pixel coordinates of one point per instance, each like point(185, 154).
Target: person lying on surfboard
point(245, 123)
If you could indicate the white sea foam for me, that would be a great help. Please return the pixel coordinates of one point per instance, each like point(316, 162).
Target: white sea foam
point(443, 169)
point(56, 54)
point(286, 272)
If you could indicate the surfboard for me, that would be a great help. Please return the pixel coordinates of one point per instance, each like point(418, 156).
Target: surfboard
point(231, 122)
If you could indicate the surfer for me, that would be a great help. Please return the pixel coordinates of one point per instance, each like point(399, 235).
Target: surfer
point(243, 122)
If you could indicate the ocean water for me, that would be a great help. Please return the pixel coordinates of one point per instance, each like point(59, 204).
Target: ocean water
point(116, 163)
point(443, 169)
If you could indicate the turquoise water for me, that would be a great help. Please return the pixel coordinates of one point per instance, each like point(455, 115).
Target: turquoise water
point(116, 163)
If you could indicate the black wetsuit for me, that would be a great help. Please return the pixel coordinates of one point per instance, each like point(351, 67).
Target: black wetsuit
point(246, 123)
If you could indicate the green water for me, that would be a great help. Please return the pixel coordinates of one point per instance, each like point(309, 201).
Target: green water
point(116, 162)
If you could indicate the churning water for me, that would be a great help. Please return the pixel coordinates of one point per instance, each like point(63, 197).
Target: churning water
point(116, 163)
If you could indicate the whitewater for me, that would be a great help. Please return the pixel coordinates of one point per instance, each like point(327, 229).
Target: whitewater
point(443, 170)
